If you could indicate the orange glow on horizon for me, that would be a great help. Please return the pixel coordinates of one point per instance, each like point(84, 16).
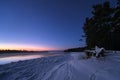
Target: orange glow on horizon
point(23, 47)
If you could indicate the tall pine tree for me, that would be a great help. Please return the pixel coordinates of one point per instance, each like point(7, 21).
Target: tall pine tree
point(97, 28)
point(115, 31)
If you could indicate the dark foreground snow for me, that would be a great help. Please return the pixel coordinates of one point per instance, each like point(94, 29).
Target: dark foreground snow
point(65, 67)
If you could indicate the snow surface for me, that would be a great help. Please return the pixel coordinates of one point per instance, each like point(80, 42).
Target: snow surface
point(71, 66)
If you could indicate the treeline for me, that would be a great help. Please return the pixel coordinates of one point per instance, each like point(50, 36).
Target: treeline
point(80, 49)
point(103, 28)
point(19, 51)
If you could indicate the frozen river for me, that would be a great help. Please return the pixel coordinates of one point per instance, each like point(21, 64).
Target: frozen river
point(14, 57)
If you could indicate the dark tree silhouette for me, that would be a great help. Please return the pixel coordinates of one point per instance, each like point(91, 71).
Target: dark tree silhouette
point(115, 31)
point(103, 28)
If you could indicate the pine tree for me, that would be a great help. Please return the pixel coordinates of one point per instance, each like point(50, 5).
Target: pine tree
point(97, 28)
point(115, 31)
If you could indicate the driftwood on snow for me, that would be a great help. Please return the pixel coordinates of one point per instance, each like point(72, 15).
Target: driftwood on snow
point(98, 52)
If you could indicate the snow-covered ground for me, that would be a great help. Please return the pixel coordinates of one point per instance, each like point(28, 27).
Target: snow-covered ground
point(64, 67)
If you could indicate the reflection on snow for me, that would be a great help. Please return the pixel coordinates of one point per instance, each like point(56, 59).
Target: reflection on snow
point(6, 60)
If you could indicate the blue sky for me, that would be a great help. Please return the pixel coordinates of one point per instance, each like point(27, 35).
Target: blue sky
point(55, 24)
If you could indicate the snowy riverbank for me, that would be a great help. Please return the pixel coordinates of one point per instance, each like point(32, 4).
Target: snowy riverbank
point(64, 67)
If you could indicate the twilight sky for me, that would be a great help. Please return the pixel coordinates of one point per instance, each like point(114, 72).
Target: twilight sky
point(43, 24)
